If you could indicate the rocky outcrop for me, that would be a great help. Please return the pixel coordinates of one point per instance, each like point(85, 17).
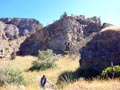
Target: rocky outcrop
point(26, 26)
point(13, 32)
point(68, 33)
point(90, 25)
point(8, 31)
point(8, 43)
point(103, 50)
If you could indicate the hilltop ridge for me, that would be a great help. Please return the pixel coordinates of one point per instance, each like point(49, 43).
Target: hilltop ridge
point(65, 34)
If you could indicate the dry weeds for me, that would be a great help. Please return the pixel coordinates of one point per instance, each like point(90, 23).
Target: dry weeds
point(63, 64)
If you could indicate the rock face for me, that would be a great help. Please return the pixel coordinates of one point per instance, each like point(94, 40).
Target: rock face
point(8, 31)
point(13, 32)
point(64, 34)
point(102, 50)
point(26, 26)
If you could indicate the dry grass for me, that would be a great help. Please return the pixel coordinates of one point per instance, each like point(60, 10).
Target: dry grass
point(63, 64)
point(94, 85)
point(24, 63)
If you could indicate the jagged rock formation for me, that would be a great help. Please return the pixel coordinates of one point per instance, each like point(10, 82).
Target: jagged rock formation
point(91, 25)
point(8, 31)
point(8, 43)
point(26, 26)
point(102, 50)
point(68, 33)
point(13, 32)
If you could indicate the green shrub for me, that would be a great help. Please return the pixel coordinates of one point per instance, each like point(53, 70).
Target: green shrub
point(46, 65)
point(36, 65)
point(13, 55)
point(66, 76)
point(15, 36)
point(69, 76)
point(46, 59)
point(111, 72)
point(47, 55)
point(11, 76)
point(66, 53)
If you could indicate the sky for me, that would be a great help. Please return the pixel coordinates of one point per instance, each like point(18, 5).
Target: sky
point(47, 11)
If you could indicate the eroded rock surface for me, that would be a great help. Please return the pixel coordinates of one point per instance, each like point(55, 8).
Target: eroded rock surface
point(103, 50)
point(67, 34)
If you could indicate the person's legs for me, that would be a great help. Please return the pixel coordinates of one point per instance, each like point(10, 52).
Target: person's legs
point(42, 87)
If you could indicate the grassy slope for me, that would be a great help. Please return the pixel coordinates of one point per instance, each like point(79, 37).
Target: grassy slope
point(63, 64)
point(94, 85)
point(23, 63)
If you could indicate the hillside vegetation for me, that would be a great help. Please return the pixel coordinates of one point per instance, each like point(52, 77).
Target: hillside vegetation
point(64, 63)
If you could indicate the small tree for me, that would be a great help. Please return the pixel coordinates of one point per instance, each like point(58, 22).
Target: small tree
point(111, 72)
point(9, 75)
point(13, 55)
point(64, 15)
point(47, 55)
point(46, 59)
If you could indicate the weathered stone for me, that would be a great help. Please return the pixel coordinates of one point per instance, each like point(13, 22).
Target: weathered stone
point(102, 50)
point(23, 24)
point(8, 31)
point(66, 34)
point(12, 31)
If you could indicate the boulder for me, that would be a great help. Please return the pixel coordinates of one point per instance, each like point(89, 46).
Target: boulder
point(103, 50)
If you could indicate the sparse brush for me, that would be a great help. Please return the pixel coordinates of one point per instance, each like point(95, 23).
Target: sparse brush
point(11, 76)
point(46, 59)
point(111, 72)
point(66, 77)
point(37, 65)
point(47, 55)
point(13, 55)
point(66, 53)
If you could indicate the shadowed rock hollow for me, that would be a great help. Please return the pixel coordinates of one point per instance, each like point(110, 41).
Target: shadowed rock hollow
point(103, 49)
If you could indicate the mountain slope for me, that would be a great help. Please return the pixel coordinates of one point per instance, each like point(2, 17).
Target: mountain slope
point(65, 34)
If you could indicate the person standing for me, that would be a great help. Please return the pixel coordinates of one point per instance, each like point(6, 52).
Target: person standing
point(43, 82)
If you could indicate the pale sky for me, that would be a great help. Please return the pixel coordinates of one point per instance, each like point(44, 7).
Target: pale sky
point(46, 11)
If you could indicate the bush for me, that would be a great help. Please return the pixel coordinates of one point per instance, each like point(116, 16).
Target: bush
point(46, 65)
point(69, 76)
point(37, 65)
point(66, 53)
point(47, 55)
point(46, 59)
point(11, 76)
point(13, 55)
point(111, 72)
point(66, 76)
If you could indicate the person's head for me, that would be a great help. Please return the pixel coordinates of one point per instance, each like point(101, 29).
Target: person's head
point(43, 76)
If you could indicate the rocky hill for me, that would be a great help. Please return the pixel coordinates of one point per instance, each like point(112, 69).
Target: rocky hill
point(13, 32)
point(103, 50)
point(67, 34)
point(8, 31)
point(25, 26)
